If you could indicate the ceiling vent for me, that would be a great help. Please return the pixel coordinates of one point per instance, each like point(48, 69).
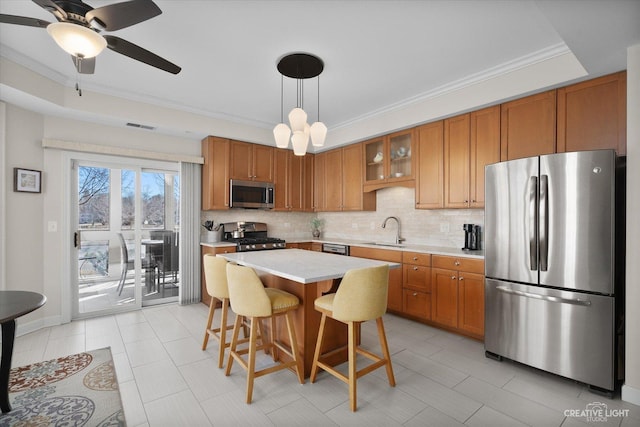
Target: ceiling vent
point(139, 126)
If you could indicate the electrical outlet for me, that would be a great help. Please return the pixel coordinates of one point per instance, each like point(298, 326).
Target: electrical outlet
point(52, 226)
point(444, 227)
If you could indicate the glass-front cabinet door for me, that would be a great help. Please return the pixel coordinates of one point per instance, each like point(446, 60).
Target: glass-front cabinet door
point(388, 161)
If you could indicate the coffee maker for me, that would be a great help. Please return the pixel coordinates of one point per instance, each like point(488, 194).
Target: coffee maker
point(471, 237)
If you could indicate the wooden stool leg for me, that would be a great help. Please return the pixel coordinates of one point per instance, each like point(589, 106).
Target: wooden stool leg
point(353, 376)
point(251, 368)
point(223, 331)
point(385, 351)
point(234, 343)
point(212, 309)
point(316, 355)
point(294, 347)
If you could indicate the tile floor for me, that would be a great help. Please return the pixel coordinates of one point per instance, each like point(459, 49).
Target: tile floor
point(442, 379)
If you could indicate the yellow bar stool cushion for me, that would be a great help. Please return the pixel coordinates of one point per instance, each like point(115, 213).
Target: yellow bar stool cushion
point(361, 296)
point(249, 298)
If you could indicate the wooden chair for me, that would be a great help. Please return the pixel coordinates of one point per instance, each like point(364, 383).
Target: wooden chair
point(361, 296)
point(215, 274)
point(249, 298)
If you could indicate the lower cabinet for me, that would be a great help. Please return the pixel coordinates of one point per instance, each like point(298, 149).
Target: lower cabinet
point(457, 296)
point(205, 298)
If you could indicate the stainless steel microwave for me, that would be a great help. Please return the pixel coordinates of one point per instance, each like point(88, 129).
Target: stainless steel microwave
point(251, 194)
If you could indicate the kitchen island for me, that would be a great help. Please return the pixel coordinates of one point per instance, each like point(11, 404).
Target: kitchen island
point(307, 275)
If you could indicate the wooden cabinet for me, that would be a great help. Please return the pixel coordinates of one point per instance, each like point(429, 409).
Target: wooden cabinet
point(457, 293)
point(338, 180)
point(293, 182)
point(416, 290)
point(205, 298)
point(429, 166)
point(215, 173)
point(394, 296)
point(528, 126)
point(251, 162)
point(388, 161)
point(471, 142)
point(592, 115)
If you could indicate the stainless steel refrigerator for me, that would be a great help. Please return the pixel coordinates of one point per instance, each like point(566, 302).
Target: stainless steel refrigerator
point(550, 264)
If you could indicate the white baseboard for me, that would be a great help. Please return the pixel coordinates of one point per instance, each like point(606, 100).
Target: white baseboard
point(34, 325)
point(630, 394)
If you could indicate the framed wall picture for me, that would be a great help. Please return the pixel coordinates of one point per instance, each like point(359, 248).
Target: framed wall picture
point(26, 180)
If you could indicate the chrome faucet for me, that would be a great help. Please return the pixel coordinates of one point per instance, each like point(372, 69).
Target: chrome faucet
point(384, 225)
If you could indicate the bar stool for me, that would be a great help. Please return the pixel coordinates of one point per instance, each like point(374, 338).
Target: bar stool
point(361, 296)
point(215, 273)
point(249, 298)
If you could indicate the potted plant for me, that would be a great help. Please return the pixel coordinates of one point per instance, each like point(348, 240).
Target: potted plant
point(316, 225)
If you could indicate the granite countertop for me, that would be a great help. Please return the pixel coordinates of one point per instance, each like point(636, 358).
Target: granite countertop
point(302, 266)
point(434, 250)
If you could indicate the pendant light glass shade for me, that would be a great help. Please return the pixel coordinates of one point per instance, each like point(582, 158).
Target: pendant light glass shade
point(297, 119)
point(281, 133)
point(318, 133)
point(299, 141)
point(77, 40)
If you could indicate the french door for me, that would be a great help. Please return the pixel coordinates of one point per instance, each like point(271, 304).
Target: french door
point(126, 218)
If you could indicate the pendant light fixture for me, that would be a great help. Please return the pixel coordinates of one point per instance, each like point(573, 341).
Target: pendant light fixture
point(299, 66)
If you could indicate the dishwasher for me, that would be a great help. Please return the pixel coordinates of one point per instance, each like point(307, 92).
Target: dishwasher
point(335, 248)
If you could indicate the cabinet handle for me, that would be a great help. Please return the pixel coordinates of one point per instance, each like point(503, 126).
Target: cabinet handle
point(415, 268)
point(461, 278)
point(415, 294)
point(466, 201)
point(415, 258)
point(473, 201)
point(453, 277)
point(456, 262)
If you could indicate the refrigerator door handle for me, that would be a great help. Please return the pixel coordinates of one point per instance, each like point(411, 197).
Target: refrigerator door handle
point(544, 222)
point(533, 222)
point(543, 297)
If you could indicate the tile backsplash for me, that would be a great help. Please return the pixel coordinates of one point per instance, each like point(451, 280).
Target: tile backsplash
point(441, 227)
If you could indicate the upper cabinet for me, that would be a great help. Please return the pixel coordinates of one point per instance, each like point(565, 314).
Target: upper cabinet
point(471, 141)
point(592, 115)
point(251, 162)
point(215, 173)
point(338, 181)
point(429, 166)
point(528, 126)
point(389, 161)
point(293, 179)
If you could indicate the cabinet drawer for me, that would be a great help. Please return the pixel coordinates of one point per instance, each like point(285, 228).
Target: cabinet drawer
point(416, 258)
point(416, 303)
point(417, 277)
point(459, 264)
point(374, 253)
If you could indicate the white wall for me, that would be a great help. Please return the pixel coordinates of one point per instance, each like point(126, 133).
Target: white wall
point(631, 388)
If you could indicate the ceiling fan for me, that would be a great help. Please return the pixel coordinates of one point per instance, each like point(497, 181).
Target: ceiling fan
point(78, 27)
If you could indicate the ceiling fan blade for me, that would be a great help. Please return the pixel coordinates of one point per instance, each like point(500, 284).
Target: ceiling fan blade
point(84, 65)
point(23, 20)
point(136, 52)
point(120, 15)
point(52, 7)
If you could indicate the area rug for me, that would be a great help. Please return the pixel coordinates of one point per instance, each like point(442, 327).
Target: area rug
point(77, 390)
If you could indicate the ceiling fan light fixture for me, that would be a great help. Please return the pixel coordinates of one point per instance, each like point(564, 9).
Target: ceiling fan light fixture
point(77, 40)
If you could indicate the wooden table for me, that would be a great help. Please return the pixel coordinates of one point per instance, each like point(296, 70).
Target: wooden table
point(13, 304)
point(308, 275)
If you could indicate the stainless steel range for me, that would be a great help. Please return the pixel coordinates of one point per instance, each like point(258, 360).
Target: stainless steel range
point(251, 236)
